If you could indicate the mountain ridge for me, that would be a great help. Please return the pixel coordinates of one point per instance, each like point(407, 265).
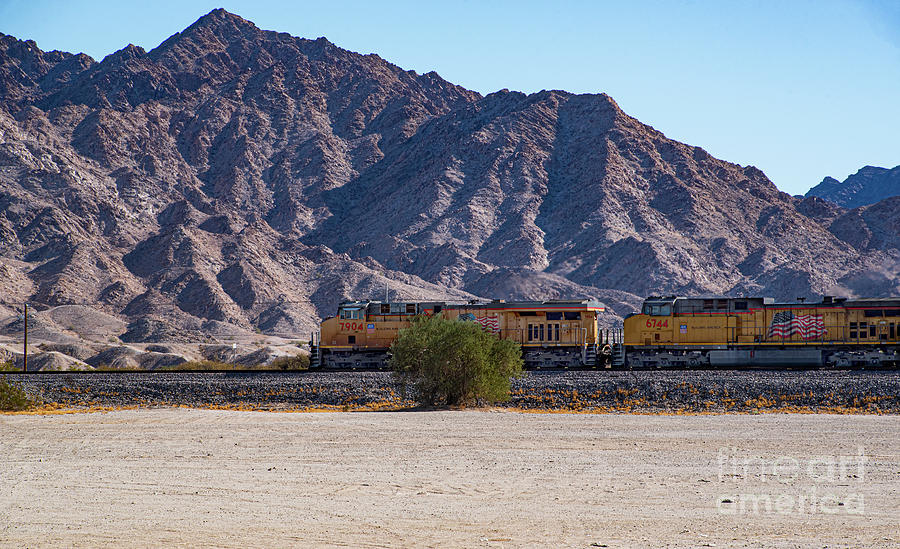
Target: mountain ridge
point(241, 176)
point(870, 184)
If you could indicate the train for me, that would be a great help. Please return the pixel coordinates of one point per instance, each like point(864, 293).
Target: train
point(667, 332)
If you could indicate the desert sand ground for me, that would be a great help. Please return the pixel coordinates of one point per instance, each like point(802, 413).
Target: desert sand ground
point(157, 477)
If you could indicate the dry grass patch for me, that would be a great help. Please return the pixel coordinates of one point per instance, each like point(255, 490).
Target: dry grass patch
point(296, 362)
point(204, 365)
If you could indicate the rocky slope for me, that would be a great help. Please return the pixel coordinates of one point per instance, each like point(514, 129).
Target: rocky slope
point(867, 186)
point(235, 176)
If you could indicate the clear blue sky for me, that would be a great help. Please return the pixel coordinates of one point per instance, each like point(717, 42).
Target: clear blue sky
point(799, 89)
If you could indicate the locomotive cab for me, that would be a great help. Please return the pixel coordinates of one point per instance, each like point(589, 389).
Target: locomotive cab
point(347, 328)
point(653, 326)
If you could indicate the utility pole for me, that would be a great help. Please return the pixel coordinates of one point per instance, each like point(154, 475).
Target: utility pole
point(25, 346)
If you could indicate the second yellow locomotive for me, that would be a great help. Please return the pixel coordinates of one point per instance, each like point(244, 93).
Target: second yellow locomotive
point(757, 331)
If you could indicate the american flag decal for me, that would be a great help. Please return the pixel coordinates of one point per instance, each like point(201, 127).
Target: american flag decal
point(786, 323)
point(489, 323)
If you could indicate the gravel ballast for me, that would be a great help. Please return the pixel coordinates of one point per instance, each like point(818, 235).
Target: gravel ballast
point(638, 391)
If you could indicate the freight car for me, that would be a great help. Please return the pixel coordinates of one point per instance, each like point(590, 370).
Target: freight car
point(690, 332)
point(553, 334)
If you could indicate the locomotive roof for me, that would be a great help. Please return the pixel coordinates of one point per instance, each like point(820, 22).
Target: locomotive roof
point(831, 301)
point(497, 303)
point(873, 302)
point(826, 301)
point(548, 304)
point(672, 298)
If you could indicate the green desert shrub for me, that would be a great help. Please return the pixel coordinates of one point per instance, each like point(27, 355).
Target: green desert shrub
point(295, 362)
point(8, 366)
point(455, 363)
point(13, 398)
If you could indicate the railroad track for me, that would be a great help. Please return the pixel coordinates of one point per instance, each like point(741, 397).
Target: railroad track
point(659, 390)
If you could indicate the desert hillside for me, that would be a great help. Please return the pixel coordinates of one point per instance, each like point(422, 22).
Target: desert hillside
point(240, 179)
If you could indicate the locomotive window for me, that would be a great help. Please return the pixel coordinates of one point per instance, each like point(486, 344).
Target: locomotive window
point(351, 339)
point(385, 309)
point(707, 304)
point(410, 308)
point(721, 304)
point(554, 316)
point(541, 331)
point(657, 309)
point(352, 314)
point(863, 329)
point(530, 332)
point(740, 305)
point(872, 331)
point(528, 313)
point(892, 312)
point(572, 315)
point(556, 328)
point(873, 312)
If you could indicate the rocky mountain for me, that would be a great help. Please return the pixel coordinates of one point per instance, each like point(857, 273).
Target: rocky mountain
point(247, 179)
point(867, 186)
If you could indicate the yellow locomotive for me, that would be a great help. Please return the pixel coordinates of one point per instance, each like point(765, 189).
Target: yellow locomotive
point(727, 331)
point(553, 334)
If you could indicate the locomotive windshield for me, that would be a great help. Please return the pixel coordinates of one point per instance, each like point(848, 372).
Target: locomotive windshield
point(657, 309)
point(352, 314)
